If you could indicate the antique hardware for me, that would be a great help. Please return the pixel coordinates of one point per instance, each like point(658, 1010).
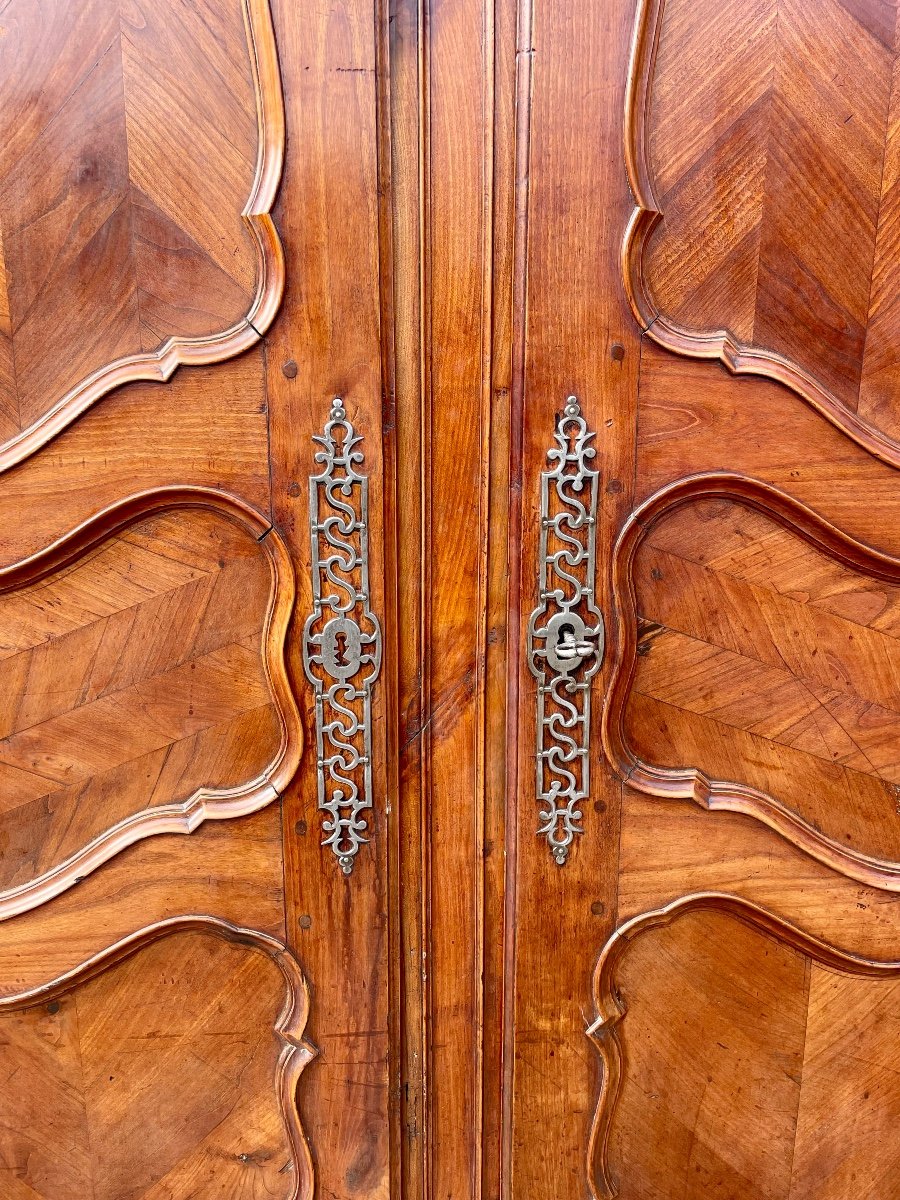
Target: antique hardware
point(342, 636)
point(565, 631)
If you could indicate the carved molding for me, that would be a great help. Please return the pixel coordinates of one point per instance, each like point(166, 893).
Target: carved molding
point(296, 1051)
point(565, 631)
point(690, 783)
point(605, 1032)
point(342, 636)
point(721, 345)
point(205, 803)
point(159, 365)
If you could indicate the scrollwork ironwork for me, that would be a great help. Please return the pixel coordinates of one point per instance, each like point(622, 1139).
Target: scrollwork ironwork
point(342, 636)
point(565, 631)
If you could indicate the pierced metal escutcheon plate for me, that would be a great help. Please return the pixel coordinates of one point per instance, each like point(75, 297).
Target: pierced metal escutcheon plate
point(342, 636)
point(565, 631)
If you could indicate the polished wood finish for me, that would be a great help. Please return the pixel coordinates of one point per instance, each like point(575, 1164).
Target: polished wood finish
point(328, 342)
point(572, 313)
point(146, 600)
point(206, 428)
point(103, 1051)
point(452, 216)
point(808, 681)
point(114, 726)
point(96, 170)
point(754, 588)
point(755, 1029)
point(765, 228)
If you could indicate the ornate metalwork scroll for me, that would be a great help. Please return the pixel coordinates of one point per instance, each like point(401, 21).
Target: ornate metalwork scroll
point(342, 636)
point(565, 631)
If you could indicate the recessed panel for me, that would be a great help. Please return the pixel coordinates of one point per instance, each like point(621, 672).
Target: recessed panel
point(765, 662)
point(139, 687)
point(158, 1077)
point(763, 142)
point(131, 135)
point(742, 1059)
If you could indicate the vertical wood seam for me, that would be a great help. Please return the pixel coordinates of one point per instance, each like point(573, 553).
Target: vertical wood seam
point(808, 981)
point(389, 439)
point(425, 702)
point(481, 713)
point(524, 94)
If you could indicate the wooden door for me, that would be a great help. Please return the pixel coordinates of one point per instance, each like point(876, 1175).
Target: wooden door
point(711, 269)
point(177, 945)
point(449, 576)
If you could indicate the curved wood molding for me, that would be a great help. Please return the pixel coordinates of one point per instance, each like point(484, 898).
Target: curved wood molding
point(296, 1052)
point(689, 783)
point(720, 345)
point(611, 1010)
point(159, 365)
point(205, 803)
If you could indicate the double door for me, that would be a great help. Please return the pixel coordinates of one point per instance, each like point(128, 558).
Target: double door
point(450, 537)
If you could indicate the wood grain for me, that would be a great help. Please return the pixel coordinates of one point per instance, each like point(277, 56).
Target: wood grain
point(694, 419)
point(456, 337)
point(762, 1029)
point(206, 427)
point(573, 334)
point(328, 342)
point(760, 148)
point(668, 849)
point(169, 1031)
point(454, 203)
point(231, 869)
point(106, 213)
point(144, 684)
point(760, 674)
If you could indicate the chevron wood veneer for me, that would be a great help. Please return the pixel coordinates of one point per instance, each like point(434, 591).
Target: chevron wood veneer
point(143, 685)
point(466, 185)
point(166, 1066)
point(140, 150)
point(757, 669)
point(724, 1030)
point(764, 660)
point(764, 147)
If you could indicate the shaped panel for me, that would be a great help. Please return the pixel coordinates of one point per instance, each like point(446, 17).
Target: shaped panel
point(143, 684)
point(762, 143)
point(140, 150)
point(165, 1067)
point(761, 646)
point(742, 1058)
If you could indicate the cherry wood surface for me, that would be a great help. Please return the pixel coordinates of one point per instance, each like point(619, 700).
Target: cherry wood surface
point(762, 148)
point(716, 1017)
point(747, 629)
point(215, 218)
point(141, 144)
point(142, 672)
point(178, 1031)
point(103, 712)
point(205, 428)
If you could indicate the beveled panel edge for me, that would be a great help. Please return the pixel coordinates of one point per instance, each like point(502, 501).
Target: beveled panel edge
point(296, 1052)
point(611, 1009)
point(159, 365)
point(721, 345)
point(205, 803)
point(689, 783)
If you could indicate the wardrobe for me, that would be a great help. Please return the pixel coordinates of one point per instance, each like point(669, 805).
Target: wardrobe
point(449, 599)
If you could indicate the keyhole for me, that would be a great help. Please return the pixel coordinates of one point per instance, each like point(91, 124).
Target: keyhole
point(568, 648)
point(340, 649)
